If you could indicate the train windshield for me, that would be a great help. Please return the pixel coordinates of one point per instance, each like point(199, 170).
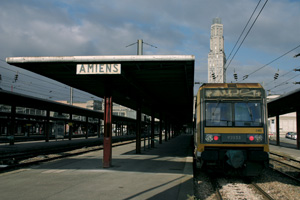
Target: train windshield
point(247, 114)
point(242, 114)
point(219, 114)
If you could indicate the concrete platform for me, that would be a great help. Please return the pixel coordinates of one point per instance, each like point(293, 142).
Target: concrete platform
point(286, 151)
point(164, 172)
point(35, 146)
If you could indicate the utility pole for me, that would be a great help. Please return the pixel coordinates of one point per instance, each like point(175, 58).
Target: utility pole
point(140, 43)
point(140, 47)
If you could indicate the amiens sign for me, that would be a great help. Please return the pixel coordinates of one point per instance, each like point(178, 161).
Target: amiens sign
point(98, 69)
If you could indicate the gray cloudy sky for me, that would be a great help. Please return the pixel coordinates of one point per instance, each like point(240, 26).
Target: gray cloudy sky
point(100, 27)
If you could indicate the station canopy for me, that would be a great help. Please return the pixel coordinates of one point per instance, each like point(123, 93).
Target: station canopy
point(163, 83)
point(284, 104)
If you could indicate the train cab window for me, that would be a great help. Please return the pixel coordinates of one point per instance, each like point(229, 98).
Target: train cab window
point(218, 114)
point(247, 114)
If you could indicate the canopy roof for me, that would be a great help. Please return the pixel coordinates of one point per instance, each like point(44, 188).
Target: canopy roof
point(160, 82)
point(284, 104)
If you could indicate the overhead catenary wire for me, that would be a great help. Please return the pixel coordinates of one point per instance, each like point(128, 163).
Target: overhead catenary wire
point(48, 94)
point(282, 76)
point(29, 91)
point(42, 87)
point(247, 76)
point(34, 77)
point(247, 33)
point(290, 87)
point(31, 83)
point(244, 29)
point(285, 82)
point(55, 84)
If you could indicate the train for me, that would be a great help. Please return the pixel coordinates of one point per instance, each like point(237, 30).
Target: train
point(231, 128)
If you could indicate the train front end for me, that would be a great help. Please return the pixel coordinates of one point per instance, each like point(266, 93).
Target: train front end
point(231, 128)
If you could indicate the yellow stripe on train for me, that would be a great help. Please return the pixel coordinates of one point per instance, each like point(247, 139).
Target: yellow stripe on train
point(233, 130)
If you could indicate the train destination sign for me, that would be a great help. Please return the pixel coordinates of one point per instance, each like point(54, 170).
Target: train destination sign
point(83, 69)
point(233, 92)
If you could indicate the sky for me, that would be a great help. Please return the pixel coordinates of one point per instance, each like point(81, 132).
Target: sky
point(175, 27)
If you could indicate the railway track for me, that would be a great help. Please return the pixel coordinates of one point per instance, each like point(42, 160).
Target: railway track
point(284, 157)
point(262, 192)
point(238, 189)
point(286, 166)
point(270, 185)
point(27, 159)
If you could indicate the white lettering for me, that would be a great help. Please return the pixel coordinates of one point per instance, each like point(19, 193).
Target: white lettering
point(98, 69)
point(90, 67)
point(108, 68)
point(82, 69)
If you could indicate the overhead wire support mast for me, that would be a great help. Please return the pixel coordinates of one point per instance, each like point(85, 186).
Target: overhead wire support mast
point(140, 46)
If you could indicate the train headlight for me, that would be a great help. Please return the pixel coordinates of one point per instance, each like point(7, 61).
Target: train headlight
point(209, 138)
point(258, 138)
point(255, 138)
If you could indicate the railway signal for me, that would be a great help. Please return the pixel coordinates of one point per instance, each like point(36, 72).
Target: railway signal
point(235, 76)
point(276, 75)
point(213, 76)
point(297, 70)
point(16, 77)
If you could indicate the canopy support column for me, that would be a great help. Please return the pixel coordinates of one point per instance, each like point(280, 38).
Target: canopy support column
point(160, 128)
point(71, 127)
point(152, 129)
point(277, 130)
point(298, 127)
point(107, 147)
point(138, 128)
point(47, 126)
point(166, 131)
point(12, 125)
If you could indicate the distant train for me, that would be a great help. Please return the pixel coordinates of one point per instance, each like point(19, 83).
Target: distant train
point(231, 129)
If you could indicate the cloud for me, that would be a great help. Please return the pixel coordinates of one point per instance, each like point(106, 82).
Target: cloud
point(98, 27)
